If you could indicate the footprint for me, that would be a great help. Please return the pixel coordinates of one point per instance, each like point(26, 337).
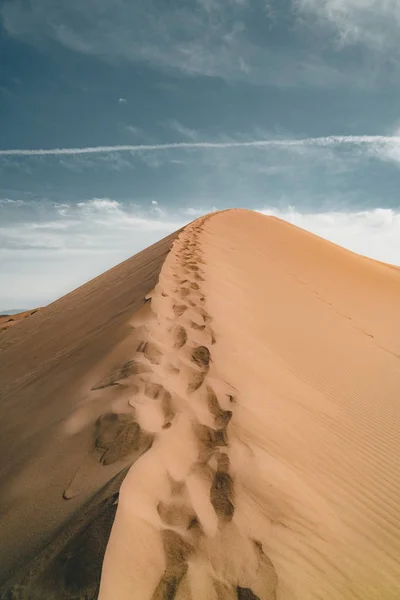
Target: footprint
point(196, 326)
point(208, 439)
point(180, 336)
point(179, 309)
point(196, 378)
point(153, 390)
point(197, 276)
point(266, 579)
point(118, 435)
point(109, 426)
point(176, 514)
point(177, 551)
point(245, 594)
point(201, 357)
point(151, 352)
point(184, 292)
point(221, 490)
point(167, 408)
point(192, 266)
point(222, 417)
point(223, 591)
point(206, 316)
point(128, 441)
point(128, 369)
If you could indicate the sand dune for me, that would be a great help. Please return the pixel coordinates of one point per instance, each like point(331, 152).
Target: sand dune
point(229, 411)
point(8, 321)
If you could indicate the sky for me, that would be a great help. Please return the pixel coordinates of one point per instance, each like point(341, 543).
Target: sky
point(122, 120)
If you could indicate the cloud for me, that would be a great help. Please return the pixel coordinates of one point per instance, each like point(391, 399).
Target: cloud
point(10, 201)
point(377, 146)
point(99, 204)
point(43, 258)
point(372, 22)
point(134, 129)
point(213, 38)
point(374, 233)
point(54, 248)
point(185, 132)
point(122, 100)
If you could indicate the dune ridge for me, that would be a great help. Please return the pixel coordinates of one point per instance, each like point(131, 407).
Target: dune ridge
point(239, 440)
point(303, 371)
point(179, 497)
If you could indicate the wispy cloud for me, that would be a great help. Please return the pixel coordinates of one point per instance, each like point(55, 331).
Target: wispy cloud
point(215, 38)
point(74, 243)
point(373, 22)
point(10, 201)
point(39, 250)
point(379, 146)
point(185, 132)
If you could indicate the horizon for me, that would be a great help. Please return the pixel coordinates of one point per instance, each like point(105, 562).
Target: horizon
point(119, 127)
point(13, 311)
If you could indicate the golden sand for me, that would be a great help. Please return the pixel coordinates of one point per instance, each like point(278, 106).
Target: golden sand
point(252, 387)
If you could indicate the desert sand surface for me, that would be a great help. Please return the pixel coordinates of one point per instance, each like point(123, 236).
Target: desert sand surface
point(7, 321)
point(221, 416)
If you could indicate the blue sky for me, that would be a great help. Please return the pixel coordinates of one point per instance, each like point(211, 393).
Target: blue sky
point(122, 120)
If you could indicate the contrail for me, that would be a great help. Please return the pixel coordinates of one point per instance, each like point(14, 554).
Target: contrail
point(334, 140)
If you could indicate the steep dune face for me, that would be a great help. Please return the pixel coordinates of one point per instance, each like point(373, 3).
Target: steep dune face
point(250, 409)
point(49, 364)
point(275, 473)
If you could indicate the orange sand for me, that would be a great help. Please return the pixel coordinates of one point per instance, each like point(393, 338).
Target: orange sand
point(7, 321)
point(255, 394)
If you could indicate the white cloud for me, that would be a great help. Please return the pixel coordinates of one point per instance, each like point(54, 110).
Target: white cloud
point(100, 204)
point(122, 100)
point(42, 260)
point(203, 37)
point(374, 22)
point(134, 130)
point(374, 233)
point(379, 146)
point(11, 202)
point(185, 132)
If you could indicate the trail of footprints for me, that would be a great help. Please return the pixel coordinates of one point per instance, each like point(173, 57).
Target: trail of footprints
point(178, 342)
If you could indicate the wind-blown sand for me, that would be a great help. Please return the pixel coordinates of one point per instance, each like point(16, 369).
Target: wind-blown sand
point(256, 394)
point(8, 321)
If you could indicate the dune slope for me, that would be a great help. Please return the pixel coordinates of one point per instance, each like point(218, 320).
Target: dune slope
point(278, 476)
point(48, 366)
point(238, 433)
point(8, 321)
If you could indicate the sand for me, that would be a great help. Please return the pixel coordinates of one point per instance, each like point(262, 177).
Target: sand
point(48, 366)
point(233, 434)
point(8, 321)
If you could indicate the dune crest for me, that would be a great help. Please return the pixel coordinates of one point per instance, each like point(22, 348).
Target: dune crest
point(272, 479)
point(179, 498)
point(239, 437)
